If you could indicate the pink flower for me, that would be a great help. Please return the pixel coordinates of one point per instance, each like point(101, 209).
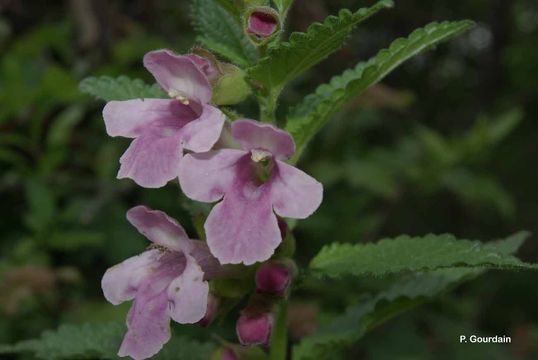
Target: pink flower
point(255, 184)
point(162, 128)
point(167, 281)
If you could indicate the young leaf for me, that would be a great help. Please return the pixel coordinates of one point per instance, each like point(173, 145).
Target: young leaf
point(220, 32)
point(91, 341)
point(283, 5)
point(408, 292)
point(286, 60)
point(405, 253)
point(308, 117)
point(121, 88)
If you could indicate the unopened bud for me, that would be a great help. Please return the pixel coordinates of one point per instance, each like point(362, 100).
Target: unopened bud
point(228, 354)
point(272, 278)
point(262, 24)
point(254, 329)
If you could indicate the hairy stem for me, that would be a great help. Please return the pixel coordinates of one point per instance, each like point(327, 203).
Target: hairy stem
point(279, 338)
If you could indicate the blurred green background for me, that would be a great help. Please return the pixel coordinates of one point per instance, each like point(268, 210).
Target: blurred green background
point(447, 143)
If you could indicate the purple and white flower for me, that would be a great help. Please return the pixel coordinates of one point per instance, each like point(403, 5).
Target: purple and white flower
point(167, 281)
point(254, 183)
point(163, 128)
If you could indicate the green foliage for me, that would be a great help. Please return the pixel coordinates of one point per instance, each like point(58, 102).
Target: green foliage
point(405, 253)
point(309, 116)
point(220, 32)
point(90, 341)
point(120, 88)
point(287, 60)
point(283, 5)
point(407, 292)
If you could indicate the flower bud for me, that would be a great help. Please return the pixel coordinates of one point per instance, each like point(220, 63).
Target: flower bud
point(211, 312)
point(272, 278)
point(262, 24)
point(254, 329)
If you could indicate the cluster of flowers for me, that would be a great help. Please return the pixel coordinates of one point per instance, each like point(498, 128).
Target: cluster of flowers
point(238, 165)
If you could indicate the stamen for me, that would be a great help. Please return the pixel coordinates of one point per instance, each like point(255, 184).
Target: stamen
point(258, 155)
point(174, 94)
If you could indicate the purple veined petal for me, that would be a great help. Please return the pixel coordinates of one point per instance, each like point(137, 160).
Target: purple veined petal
point(131, 118)
point(207, 176)
point(152, 160)
point(148, 325)
point(251, 135)
point(178, 75)
point(159, 228)
point(188, 293)
point(243, 228)
point(201, 134)
point(294, 193)
point(120, 283)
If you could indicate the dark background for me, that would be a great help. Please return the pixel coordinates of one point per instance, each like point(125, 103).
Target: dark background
point(447, 143)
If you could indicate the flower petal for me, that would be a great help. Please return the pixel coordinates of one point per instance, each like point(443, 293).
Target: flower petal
point(120, 283)
point(243, 228)
point(131, 118)
point(294, 193)
point(207, 176)
point(252, 134)
point(187, 294)
point(209, 264)
point(178, 74)
point(201, 134)
point(152, 160)
point(148, 325)
point(159, 228)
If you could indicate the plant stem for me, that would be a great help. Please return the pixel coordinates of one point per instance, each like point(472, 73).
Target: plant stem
point(268, 105)
point(279, 338)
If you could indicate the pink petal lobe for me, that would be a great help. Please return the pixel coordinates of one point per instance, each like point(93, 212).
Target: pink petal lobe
point(121, 282)
point(148, 320)
point(262, 24)
point(207, 176)
point(188, 293)
point(243, 228)
point(131, 118)
point(252, 134)
point(201, 134)
point(148, 327)
point(178, 74)
point(159, 228)
point(152, 160)
point(295, 194)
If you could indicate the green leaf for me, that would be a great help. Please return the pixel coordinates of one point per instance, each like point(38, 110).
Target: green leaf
point(309, 116)
point(287, 60)
point(405, 253)
point(283, 6)
point(407, 292)
point(120, 88)
point(91, 341)
point(220, 32)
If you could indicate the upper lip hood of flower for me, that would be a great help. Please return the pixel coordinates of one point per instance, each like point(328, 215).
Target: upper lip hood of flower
point(243, 228)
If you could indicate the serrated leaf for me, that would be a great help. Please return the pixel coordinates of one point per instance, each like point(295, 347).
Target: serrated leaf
point(221, 32)
point(309, 116)
point(287, 60)
point(120, 88)
point(405, 253)
point(407, 292)
point(91, 341)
